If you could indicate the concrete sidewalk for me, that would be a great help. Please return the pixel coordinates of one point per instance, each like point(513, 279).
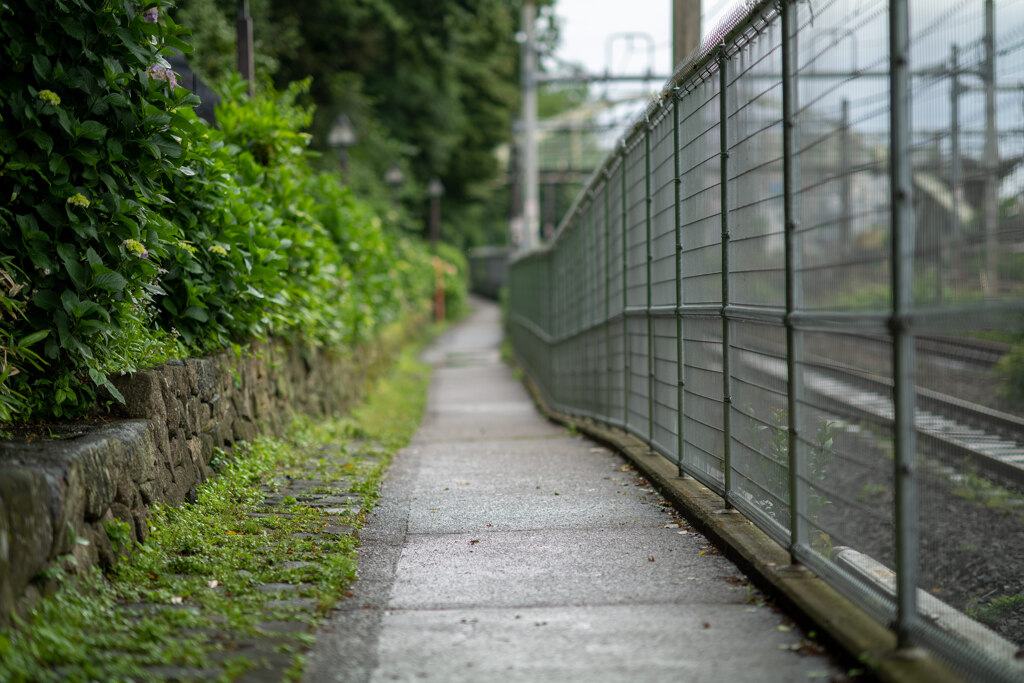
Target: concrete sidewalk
point(505, 548)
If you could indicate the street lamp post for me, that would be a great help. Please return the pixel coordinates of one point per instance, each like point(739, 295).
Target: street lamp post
point(342, 136)
point(246, 63)
point(434, 190)
point(394, 179)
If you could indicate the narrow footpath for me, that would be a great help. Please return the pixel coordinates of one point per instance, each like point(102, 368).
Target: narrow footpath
point(505, 548)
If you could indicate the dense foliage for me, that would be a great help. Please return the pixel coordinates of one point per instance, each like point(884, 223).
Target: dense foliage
point(132, 232)
point(431, 86)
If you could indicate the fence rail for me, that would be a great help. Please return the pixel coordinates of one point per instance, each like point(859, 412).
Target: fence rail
point(820, 174)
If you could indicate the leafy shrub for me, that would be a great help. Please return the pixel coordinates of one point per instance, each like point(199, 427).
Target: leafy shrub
point(15, 353)
point(286, 250)
point(90, 130)
point(223, 282)
point(133, 233)
point(455, 280)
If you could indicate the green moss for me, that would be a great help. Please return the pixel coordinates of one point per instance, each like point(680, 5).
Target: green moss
point(202, 567)
point(997, 609)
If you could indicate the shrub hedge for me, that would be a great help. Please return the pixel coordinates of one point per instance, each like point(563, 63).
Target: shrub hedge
point(132, 232)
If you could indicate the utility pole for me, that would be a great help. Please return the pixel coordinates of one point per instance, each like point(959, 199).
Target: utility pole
point(956, 165)
point(991, 163)
point(846, 180)
point(531, 200)
point(685, 30)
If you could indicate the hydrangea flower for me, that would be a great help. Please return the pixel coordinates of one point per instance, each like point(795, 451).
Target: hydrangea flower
point(162, 73)
point(135, 247)
point(49, 97)
point(78, 199)
point(152, 15)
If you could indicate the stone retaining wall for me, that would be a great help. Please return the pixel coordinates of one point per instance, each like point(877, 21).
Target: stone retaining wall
point(58, 495)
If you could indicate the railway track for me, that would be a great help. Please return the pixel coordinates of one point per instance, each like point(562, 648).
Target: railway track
point(963, 349)
point(959, 351)
point(948, 428)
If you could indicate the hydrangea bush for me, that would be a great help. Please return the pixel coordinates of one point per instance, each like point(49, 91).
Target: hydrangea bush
point(131, 232)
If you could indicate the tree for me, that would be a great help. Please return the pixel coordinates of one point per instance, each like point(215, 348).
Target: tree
point(432, 86)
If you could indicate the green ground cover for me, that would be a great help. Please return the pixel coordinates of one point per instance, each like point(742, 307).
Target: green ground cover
point(253, 553)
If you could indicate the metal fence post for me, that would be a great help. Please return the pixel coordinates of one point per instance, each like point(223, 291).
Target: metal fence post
point(625, 296)
point(549, 319)
point(902, 255)
point(607, 296)
point(680, 341)
point(648, 129)
point(723, 130)
point(798, 511)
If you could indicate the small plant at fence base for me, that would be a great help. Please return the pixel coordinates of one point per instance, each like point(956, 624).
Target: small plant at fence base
point(771, 441)
point(1010, 372)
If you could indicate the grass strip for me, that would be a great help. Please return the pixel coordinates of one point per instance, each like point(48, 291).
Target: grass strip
point(237, 581)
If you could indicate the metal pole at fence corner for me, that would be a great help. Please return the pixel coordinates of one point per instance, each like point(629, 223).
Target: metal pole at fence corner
point(798, 511)
point(607, 296)
point(723, 135)
point(625, 295)
point(680, 342)
point(904, 378)
point(648, 204)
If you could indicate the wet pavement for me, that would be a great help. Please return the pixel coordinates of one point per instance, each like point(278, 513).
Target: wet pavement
point(505, 548)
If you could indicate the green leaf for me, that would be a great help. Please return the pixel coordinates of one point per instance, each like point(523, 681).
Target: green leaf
point(46, 299)
point(95, 261)
point(196, 313)
point(114, 392)
point(110, 183)
point(176, 43)
point(78, 272)
point(51, 215)
point(33, 338)
point(116, 99)
point(41, 65)
point(41, 138)
point(27, 223)
point(64, 120)
point(93, 130)
point(73, 27)
point(149, 147)
point(59, 165)
point(111, 282)
point(190, 99)
point(129, 41)
point(167, 146)
point(87, 157)
point(113, 66)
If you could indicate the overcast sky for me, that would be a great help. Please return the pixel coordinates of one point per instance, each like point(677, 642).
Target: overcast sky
point(588, 24)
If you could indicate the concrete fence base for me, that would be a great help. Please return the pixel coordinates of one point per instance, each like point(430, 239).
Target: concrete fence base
point(59, 494)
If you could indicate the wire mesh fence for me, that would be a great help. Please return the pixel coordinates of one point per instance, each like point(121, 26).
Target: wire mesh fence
point(800, 277)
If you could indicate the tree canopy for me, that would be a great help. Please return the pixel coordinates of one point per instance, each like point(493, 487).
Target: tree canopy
point(431, 86)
